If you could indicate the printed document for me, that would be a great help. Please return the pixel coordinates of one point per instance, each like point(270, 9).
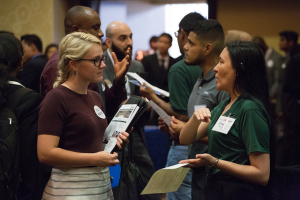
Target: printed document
point(166, 180)
point(119, 123)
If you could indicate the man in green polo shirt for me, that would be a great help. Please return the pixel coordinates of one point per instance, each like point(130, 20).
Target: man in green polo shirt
point(181, 80)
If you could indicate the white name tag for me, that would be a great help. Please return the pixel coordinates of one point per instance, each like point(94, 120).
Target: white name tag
point(99, 112)
point(223, 124)
point(197, 107)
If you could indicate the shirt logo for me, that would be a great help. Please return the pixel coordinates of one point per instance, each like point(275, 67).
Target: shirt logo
point(205, 92)
point(99, 112)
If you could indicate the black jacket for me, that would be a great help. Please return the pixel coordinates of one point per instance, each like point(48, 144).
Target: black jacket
point(27, 116)
point(157, 75)
point(32, 70)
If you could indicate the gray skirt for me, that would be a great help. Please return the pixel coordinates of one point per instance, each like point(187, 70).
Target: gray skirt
point(88, 183)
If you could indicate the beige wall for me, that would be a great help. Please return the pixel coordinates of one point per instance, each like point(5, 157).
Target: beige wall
point(260, 17)
point(28, 17)
point(44, 18)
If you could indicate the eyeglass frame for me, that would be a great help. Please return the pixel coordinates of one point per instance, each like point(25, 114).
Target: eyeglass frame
point(102, 58)
point(176, 33)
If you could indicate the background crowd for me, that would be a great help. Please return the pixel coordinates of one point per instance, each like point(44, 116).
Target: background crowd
point(46, 115)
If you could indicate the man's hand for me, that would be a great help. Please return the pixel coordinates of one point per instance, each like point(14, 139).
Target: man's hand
point(147, 92)
point(121, 68)
point(162, 126)
point(175, 127)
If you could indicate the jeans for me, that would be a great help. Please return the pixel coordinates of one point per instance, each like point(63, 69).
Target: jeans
point(177, 153)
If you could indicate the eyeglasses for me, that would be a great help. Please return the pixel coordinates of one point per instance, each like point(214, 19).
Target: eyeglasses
point(176, 33)
point(97, 61)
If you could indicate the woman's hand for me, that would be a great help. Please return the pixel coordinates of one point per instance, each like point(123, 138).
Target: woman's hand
point(105, 159)
point(202, 114)
point(201, 160)
point(122, 139)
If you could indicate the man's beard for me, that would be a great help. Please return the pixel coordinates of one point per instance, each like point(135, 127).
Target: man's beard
point(196, 61)
point(119, 53)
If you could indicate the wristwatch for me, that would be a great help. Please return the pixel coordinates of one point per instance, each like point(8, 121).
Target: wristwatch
point(216, 163)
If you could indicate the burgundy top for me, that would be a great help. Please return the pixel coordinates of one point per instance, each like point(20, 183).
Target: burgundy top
point(76, 118)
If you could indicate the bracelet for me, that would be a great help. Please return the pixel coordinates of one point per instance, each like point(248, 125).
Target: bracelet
point(216, 163)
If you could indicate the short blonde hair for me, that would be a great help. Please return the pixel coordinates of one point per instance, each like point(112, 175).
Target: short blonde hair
point(73, 46)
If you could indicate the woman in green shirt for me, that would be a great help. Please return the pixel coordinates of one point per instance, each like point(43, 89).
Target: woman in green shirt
point(238, 129)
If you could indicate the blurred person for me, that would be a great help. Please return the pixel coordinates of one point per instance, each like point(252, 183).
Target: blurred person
point(139, 55)
point(34, 62)
point(119, 41)
point(71, 114)
point(288, 39)
point(273, 62)
point(287, 43)
point(26, 112)
point(153, 45)
point(237, 35)
point(181, 80)
point(238, 129)
point(50, 50)
point(288, 150)
point(104, 46)
point(158, 64)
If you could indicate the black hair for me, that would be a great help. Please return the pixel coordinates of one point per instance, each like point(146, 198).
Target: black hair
point(49, 46)
point(259, 41)
point(154, 39)
point(33, 39)
point(11, 53)
point(167, 35)
point(7, 32)
point(251, 73)
point(189, 21)
point(210, 31)
point(290, 36)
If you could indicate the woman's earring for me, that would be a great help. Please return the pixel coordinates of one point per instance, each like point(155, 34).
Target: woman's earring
point(75, 73)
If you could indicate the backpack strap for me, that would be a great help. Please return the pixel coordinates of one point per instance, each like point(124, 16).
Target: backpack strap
point(15, 98)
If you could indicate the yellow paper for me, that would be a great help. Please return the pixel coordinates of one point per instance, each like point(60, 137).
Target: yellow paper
point(166, 180)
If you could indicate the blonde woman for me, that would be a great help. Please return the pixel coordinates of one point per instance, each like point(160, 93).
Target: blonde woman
point(72, 124)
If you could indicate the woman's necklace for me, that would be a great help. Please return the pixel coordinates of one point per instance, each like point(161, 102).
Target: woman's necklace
point(228, 106)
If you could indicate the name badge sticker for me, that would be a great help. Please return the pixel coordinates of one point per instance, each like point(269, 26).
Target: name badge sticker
point(99, 112)
point(223, 124)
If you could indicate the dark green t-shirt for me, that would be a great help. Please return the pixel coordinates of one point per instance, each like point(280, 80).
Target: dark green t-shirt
point(181, 80)
point(249, 132)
